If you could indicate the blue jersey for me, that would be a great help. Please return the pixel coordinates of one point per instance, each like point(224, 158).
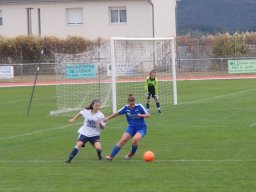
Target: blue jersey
point(131, 115)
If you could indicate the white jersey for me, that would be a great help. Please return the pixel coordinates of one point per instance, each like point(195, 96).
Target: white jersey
point(90, 127)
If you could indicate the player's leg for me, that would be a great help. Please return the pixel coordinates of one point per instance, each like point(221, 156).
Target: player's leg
point(147, 100)
point(97, 145)
point(156, 98)
point(124, 139)
point(135, 141)
point(73, 153)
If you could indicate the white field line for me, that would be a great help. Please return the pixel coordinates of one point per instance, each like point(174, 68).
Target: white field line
point(156, 161)
point(45, 130)
point(252, 125)
point(23, 100)
point(216, 97)
point(37, 132)
point(25, 85)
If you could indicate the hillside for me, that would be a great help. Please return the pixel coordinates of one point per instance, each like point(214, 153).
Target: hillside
point(212, 16)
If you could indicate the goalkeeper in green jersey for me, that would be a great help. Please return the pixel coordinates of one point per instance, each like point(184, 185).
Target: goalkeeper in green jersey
point(151, 87)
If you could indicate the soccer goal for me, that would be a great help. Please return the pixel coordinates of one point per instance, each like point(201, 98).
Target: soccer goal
point(113, 69)
point(132, 59)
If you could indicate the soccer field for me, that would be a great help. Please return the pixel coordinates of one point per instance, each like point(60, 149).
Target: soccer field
point(206, 143)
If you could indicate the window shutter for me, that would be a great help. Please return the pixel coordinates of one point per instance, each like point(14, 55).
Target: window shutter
point(114, 16)
point(123, 18)
point(75, 16)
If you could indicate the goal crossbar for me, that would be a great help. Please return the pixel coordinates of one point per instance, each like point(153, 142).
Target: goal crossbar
point(142, 39)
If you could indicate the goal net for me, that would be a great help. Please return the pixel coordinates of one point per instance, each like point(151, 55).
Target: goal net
point(113, 69)
point(132, 59)
point(82, 78)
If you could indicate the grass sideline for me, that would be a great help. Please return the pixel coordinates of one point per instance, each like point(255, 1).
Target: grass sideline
point(206, 143)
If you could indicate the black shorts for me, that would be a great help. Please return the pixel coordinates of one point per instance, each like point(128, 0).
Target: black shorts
point(85, 139)
point(151, 90)
point(151, 95)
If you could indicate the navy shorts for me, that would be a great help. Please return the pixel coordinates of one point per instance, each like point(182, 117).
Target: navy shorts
point(133, 130)
point(85, 139)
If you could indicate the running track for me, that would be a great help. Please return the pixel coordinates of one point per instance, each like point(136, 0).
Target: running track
point(22, 84)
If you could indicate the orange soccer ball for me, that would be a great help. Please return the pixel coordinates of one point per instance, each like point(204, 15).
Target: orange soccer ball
point(149, 156)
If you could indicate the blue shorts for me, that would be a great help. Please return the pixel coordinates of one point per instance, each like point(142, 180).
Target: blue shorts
point(133, 130)
point(85, 139)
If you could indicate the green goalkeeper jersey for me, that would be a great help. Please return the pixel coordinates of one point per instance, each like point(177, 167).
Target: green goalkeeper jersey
point(151, 85)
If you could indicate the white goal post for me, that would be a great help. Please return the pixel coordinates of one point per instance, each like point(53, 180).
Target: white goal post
point(166, 42)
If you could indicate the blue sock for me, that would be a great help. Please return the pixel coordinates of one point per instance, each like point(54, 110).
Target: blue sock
point(115, 150)
point(73, 153)
point(134, 149)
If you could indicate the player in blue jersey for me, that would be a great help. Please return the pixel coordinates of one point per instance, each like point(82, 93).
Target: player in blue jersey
point(136, 130)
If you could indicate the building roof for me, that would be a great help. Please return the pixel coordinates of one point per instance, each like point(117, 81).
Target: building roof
point(35, 1)
point(41, 1)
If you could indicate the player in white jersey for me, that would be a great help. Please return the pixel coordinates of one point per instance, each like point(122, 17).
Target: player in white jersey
point(90, 131)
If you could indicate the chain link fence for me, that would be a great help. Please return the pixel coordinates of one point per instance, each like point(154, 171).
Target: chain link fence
point(195, 57)
point(209, 56)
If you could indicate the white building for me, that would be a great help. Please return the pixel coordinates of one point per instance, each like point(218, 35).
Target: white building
point(88, 18)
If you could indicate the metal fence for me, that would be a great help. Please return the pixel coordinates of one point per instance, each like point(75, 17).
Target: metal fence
point(185, 68)
point(194, 57)
point(26, 72)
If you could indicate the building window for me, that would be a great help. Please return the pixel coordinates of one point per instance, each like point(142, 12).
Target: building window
point(1, 18)
point(74, 16)
point(118, 15)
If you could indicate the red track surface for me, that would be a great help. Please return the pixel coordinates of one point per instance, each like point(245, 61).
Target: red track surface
point(20, 84)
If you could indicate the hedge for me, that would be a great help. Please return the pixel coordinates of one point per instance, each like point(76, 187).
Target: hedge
point(24, 49)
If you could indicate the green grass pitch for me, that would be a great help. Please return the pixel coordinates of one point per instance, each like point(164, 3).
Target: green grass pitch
point(206, 143)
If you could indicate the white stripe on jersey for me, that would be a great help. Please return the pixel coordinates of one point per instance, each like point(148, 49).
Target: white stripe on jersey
point(146, 112)
point(122, 108)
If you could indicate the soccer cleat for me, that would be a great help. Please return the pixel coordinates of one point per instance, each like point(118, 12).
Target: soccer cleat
point(109, 157)
point(101, 158)
point(128, 156)
point(159, 111)
point(68, 161)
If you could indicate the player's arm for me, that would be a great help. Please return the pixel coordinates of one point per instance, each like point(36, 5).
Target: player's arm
point(143, 112)
point(101, 122)
point(148, 115)
point(74, 118)
point(113, 115)
point(156, 86)
point(101, 125)
point(146, 85)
